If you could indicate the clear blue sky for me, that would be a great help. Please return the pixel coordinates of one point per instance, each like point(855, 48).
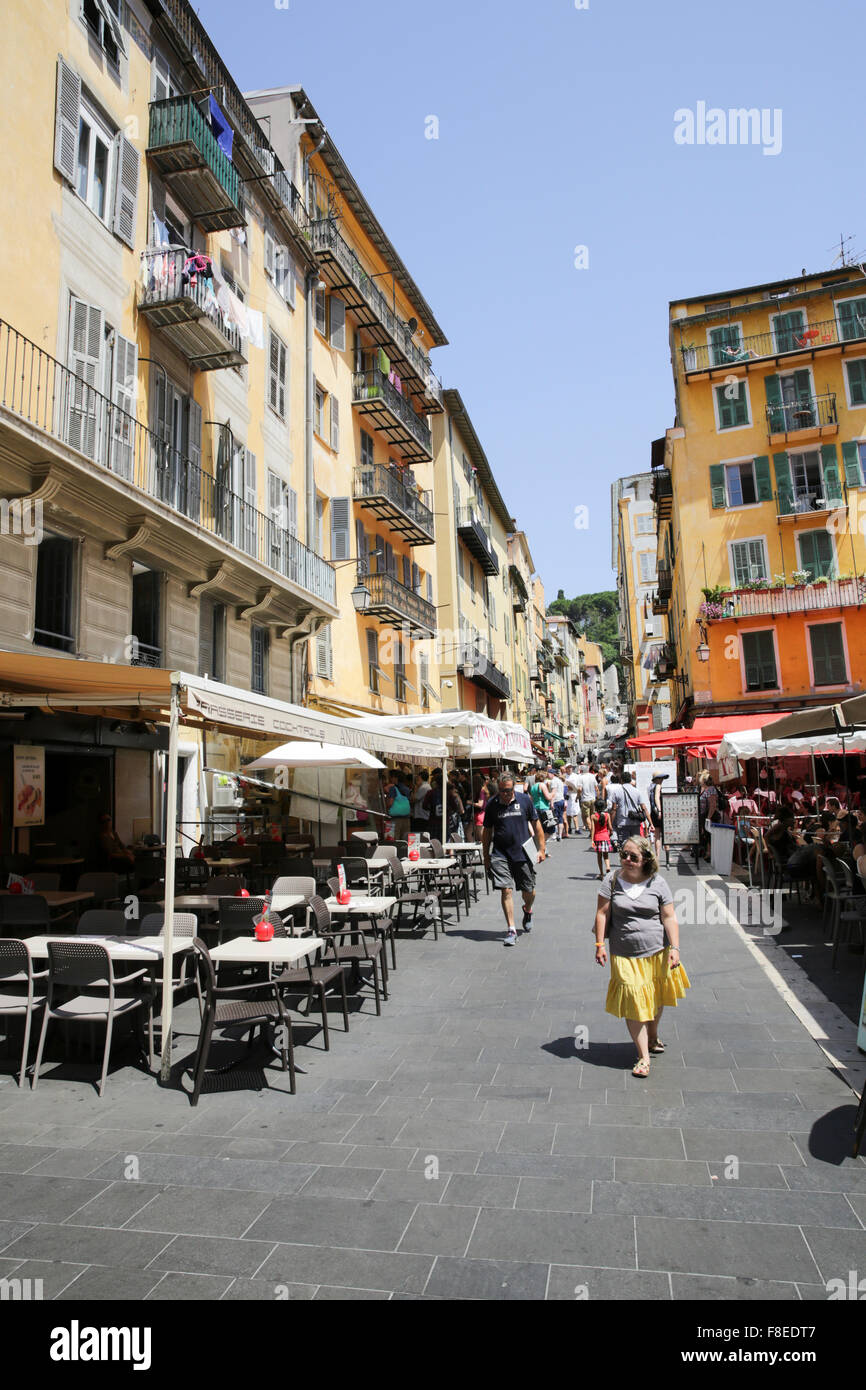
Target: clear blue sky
point(556, 129)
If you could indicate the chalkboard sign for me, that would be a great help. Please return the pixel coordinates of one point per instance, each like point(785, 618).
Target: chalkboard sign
point(680, 821)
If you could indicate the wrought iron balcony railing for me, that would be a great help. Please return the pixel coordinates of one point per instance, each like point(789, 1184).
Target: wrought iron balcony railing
point(36, 388)
point(777, 342)
point(662, 491)
point(475, 535)
point(477, 662)
point(333, 249)
point(784, 600)
point(393, 416)
point(397, 605)
point(808, 413)
point(385, 493)
point(184, 305)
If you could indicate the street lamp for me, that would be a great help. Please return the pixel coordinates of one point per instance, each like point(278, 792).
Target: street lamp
point(703, 648)
point(361, 597)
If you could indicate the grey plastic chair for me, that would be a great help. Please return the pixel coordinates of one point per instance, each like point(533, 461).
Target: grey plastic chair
point(83, 971)
point(105, 887)
point(224, 884)
point(24, 914)
point(107, 921)
point(20, 991)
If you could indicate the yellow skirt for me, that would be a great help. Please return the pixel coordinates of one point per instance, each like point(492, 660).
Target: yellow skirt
point(641, 985)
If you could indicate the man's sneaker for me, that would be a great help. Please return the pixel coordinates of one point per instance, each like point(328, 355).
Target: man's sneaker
point(510, 939)
point(527, 921)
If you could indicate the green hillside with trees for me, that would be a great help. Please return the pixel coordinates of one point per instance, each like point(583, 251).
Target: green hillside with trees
point(596, 616)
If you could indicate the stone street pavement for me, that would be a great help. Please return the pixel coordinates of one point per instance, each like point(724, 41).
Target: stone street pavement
point(463, 1145)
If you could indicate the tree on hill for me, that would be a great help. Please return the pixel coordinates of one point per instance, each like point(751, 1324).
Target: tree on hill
point(597, 617)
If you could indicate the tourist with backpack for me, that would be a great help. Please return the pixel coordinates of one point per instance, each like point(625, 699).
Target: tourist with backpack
point(601, 836)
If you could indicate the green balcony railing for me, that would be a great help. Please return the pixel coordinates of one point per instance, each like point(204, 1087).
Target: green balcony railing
point(178, 121)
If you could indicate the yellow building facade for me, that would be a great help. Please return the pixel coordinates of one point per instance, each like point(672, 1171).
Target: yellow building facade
point(759, 493)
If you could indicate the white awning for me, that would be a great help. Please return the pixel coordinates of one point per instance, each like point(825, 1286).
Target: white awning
point(467, 733)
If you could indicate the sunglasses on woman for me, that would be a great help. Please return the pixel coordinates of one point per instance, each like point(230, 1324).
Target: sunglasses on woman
point(631, 858)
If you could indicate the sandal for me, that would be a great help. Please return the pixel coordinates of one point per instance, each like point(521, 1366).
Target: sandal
point(641, 1067)
point(657, 1047)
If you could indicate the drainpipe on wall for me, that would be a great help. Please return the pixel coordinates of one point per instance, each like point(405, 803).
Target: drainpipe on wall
point(311, 281)
point(461, 682)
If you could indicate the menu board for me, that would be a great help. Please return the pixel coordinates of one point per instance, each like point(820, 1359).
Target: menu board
point(680, 818)
point(28, 799)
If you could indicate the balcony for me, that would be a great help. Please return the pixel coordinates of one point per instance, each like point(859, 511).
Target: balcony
point(345, 274)
point(143, 655)
point(665, 663)
point(385, 492)
point(396, 605)
point(376, 396)
point(519, 591)
point(187, 312)
point(477, 664)
point(811, 417)
point(664, 588)
point(784, 600)
point(188, 516)
point(184, 149)
point(476, 537)
point(785, 344)
point(663, 493)
point(810, 501)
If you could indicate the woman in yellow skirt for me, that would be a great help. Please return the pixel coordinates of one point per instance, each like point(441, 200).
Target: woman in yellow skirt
point(636, 912)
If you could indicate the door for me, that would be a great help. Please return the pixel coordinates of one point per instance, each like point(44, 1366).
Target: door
point(807, 481)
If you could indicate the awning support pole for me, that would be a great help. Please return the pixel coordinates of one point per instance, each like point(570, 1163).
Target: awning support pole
point(444, 801)
point(168, 915)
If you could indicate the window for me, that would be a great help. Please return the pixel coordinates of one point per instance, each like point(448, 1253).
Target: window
point(472, 577)
point(366, 449)
point(84, 414)
point(748, 562)
point(725, 344)
point(400, 682)
point(429, 588)
point(817, 554)
point(788, 330)
point(212, 638)
point(854, 458)
point(644, 525)
point(790, 401)
point(374, 670)
point(335, 424)
point(146, 615)
point(828, 654)
point(851, 314)
point(321, 312)
point(424, 678)
point(740, 484)
point(338, 323)
point(319, 412)
point(856, 375)
point(54, 613)
point(99, 163)
point(284, 274)
point(340, 528)
point(759, 660)
point(102, 18)
point(259, 648)
point(647, 565)
point(277, 376)
point(732, 406)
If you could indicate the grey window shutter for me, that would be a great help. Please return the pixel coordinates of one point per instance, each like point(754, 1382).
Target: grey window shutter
point(293, 512)
point(429, 588)
point(339, 528)
point(126, 190)
point(362, 548)
point(323, 653)
point(193, 447)
point(66, 120)
point(284, 274)
point(270, 254)
point(416, 579)
point(335, 424)
point(390, 562)
point(407, 572)
point(338, 324)
point(85, 350)
point(251, 501)
point(205, 635)
point(123, 396)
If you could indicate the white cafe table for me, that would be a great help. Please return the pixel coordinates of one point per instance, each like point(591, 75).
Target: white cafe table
point(415, 866)
point(280, 950)
point(360, 903)
point(128, 949)
point(364, 835)
point(284, 902)
point(463, 847)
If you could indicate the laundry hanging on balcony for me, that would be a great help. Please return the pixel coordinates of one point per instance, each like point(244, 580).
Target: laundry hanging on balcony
point(196, 265)
point(256, 321)
point(234, 311)
point(384, 362)
point(220, 127)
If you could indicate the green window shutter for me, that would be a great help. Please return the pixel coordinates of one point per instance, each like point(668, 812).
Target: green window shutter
point(857, 381)
point(803, 384)
point(722, 339)
point(785, 492)
point(851, 460)
point(816, 554)
point(832, 483)
point(763, 481)
point(788, 328)
point(828, 654)
point(775, 413)
point(759, 659)
point(852, 319)
point(717, 484)
point(733, 409)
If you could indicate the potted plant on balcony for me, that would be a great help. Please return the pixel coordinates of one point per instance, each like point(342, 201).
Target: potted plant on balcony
point(715, 593)
point(800, 578)
point(710, 610)
point(821, 582)
point(778, 582)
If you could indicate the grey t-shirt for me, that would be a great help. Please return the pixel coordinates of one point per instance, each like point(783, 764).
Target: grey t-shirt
point(635, 923)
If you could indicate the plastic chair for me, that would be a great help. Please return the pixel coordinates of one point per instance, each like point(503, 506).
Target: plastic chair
point(85, 971)
point(104, 886)
point(236, 917)
point(359, 952)
point(221, 885)
point(222, 1010)
point(315, 979)
point(24, 914)
point(20, 994)
point(427, 905)
point(107, 921)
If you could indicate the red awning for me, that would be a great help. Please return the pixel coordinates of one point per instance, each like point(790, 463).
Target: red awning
point(705, 734)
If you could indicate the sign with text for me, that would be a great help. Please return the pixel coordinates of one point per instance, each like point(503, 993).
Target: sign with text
point(680, 822)
point(28, 786)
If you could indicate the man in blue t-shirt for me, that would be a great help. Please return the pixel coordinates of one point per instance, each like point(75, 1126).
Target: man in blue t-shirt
point(510, 819)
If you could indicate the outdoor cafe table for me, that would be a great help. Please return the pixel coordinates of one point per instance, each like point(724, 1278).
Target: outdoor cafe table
point(56, 898)
point(361, 904)
point(226, 863)
point(280, 950)
point(210, 902)
point(463, 847)
point(424, 865)
point(128, 949)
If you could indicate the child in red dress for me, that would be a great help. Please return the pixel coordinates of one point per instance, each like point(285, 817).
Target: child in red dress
point(601, 836)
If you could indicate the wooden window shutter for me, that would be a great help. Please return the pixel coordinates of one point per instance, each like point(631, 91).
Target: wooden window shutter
point(784, 487)
point(123, 395)
point(324, 656)
point(429, 588)
point(803, 384)
point(338, 324)
point(340, 528)
point(66, 120)
point(381, 566)
point(85, 351)
point(717, 484)
point(335, 424)
point(852, 319)
point(832, 481)
point(126, 190)
point(205, 635)
point(857, 381)
point(851, 461)
point(416, 579)
point(270, 255)
point(763, 481)
point(773, 388)
point(407, 572)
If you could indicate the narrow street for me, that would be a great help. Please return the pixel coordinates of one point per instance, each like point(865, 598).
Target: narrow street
point(464, 1145)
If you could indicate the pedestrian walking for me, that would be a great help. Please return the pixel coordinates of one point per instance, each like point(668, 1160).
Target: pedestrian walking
point(636, 914)
point(420, 817)
point(510, 823)
point(480, 798)
point(601, 836)
point(556, 788)
point(588, 792)
point(572, 801)
point(655, 808)
point(630, 812)
point(398, 804)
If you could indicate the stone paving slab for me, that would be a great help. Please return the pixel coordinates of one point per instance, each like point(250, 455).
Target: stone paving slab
point(461, 1145)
